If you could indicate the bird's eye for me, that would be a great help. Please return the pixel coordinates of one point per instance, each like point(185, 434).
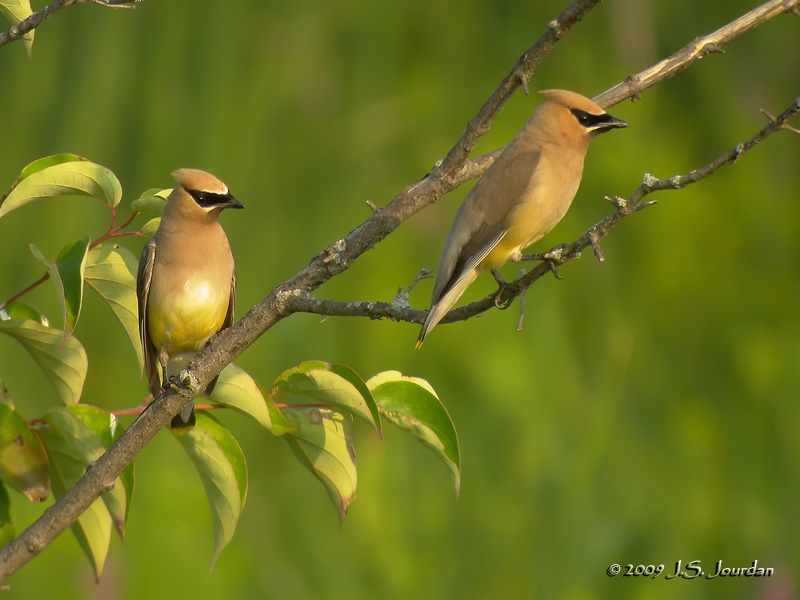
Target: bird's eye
point(584, 118)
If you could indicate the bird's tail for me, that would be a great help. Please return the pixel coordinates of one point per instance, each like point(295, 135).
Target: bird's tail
point(184, 420)
point(441, 306)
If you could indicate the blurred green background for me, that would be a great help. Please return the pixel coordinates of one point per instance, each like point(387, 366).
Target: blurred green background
point(648, 411)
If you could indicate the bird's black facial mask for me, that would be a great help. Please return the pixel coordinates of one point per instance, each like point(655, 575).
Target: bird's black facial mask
point(212, 199)
point(596, 123)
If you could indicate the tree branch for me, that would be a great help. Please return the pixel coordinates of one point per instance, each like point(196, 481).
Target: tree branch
point(698, 48)
point(18, 31)
point(290, 295)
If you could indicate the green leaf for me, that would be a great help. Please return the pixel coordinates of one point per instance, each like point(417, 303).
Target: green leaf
point(220, 462)
point(321, 384)
point(20, 310)
point(67, 273)
point(106, 429)
point(149, 228)
point(412, 404)
point(72, 447)
point(237, 390)
point(111, 272)
point(23, 460)
point(8, 529)
point(48, 161)
point(66, 369)
point(151, 200)
point(323, 444)
point(72, 178)
point(16, 11)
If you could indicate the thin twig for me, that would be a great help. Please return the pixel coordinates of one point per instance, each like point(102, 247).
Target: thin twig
point(698, 48)
point(18, 31)
point(521, 309)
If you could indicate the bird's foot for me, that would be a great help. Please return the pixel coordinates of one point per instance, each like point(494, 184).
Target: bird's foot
point(551, 257)
point(498, 295)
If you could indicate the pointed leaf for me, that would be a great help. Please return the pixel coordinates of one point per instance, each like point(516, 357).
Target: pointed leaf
point(65, 369)
point(323, 444)
point(48, 161)
point(237, 390)
point(71, 264)
point(412, 404)
point(16, 11)
point(220, 462)
point(93, 532)
point(106, 429)
point(67, 273)
point(23, 460)
point(72, 448)
point(318, 383)
point(111, 272)
point(73, 178)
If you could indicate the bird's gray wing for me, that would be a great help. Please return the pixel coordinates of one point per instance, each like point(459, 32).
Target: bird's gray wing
point(472, 253)
point(231, 304)
point(481, 220)
point(144, 276)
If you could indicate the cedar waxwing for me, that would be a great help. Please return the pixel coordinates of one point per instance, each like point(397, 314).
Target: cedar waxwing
point(520, 197)
point(186, 282)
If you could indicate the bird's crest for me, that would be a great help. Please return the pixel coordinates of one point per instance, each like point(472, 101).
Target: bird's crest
point(195, 179)
point(572, 100)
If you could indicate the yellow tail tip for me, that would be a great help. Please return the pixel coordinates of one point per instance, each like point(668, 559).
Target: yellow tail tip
point(180, 430)
point(418, 345)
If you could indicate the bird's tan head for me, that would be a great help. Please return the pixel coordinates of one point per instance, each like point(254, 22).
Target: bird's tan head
point(198, 189)
point(574, 118)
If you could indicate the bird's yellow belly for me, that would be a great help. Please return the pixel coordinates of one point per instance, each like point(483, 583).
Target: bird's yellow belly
point(185, 321)
point(530, 221)
point(514, 241)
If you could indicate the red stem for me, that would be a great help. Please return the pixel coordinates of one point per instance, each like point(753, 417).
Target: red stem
point(41, 280)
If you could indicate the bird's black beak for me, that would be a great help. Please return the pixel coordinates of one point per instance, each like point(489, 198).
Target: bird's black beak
point(609, 123)
point(231, 202)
